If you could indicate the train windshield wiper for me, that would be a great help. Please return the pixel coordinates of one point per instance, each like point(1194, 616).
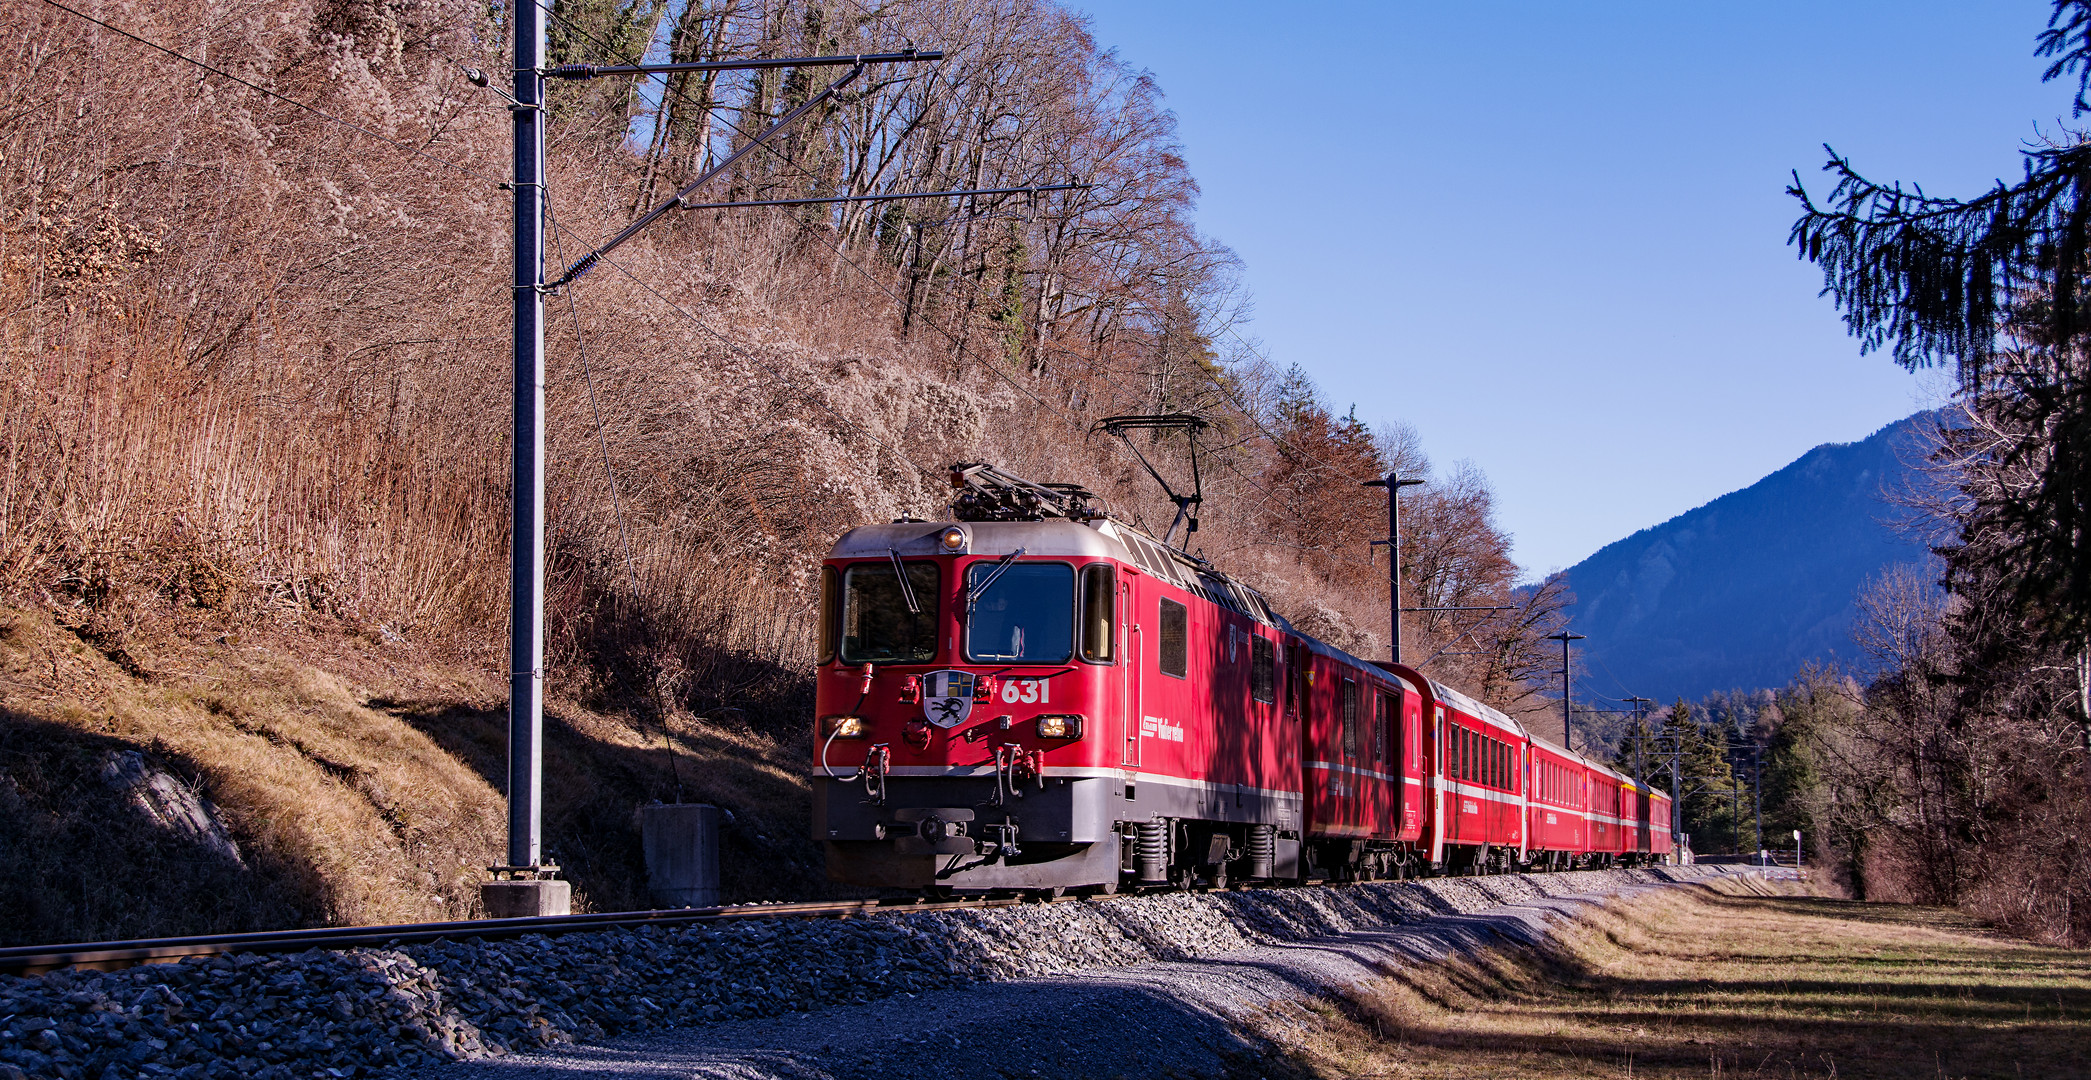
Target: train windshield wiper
point(974, 593)
point(907, 588)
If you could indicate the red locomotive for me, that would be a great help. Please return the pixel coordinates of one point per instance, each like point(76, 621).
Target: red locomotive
point(1038, 696)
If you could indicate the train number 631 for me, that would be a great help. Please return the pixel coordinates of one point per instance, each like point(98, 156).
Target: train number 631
point(1016, 690)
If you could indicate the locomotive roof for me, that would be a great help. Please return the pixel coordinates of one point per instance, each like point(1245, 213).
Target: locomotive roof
point(1061, 538)
point(1045, 539)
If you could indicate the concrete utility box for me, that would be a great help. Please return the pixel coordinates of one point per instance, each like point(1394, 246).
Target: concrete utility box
point(526, 899)
point(682, 853)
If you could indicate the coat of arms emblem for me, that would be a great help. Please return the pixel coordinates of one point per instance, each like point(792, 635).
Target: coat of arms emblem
point(947, 697)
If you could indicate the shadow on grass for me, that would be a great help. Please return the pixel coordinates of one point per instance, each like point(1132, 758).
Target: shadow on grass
point(85, 862)
point(595, 781)
point(1939, 1009)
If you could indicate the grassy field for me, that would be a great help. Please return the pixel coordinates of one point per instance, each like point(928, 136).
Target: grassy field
point(1708, 982)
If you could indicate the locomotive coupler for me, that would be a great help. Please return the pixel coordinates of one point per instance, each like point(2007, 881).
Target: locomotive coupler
point(998, 839)
point(935, 831)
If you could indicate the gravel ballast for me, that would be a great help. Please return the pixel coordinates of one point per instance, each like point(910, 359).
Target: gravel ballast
point(390, 1011)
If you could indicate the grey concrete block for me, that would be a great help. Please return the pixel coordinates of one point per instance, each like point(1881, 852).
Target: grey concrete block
point(526, 899)
point(682, 853)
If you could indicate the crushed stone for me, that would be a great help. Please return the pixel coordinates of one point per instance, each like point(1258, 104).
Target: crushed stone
point(386, 1012)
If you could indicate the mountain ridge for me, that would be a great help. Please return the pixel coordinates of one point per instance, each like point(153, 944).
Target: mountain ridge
point(1742, 590)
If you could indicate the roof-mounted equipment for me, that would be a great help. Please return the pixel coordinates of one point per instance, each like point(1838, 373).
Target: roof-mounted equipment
point(989, 494)
point(1186, 505)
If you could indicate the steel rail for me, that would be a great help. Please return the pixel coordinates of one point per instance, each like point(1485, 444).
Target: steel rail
point(115, 955)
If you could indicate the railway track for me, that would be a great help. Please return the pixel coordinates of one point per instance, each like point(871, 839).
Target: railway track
point(115, 955)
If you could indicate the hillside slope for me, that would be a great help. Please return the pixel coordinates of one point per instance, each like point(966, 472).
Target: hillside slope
point(1743, 590)
point(174, 778)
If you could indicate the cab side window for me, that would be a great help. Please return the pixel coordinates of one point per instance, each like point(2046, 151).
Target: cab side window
point(1099, 599)
point(830, 612)
point(1173, 652)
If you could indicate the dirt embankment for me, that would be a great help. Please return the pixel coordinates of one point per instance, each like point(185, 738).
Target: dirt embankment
point(190, 779)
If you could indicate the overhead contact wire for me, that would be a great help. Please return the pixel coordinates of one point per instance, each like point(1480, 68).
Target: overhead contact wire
point(840, 253)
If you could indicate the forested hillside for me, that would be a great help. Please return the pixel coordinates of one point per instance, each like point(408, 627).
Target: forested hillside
point(1740, 592)
point(254, 342)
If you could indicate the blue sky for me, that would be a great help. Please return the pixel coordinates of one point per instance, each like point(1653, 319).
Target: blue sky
point(1552, 236)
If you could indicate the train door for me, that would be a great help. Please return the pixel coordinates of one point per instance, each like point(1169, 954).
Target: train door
point(1135, 680)
point(1355, 786)
point(1386, 760)
point(1412, 770)
point(1437, 780)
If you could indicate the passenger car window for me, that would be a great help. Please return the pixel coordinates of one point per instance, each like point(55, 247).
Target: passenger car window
point(1026, 615)
point(1172, 654)
point(877, 625)
point(1263, 675)
point(1350, 718)
point(1099, 607)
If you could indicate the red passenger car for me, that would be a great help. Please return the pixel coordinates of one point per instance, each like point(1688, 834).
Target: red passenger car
point(1559, 811)
point(1480, 790)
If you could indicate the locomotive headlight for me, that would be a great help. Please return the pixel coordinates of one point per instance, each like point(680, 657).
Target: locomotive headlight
point(842, 727)
point(1060, 726)
point(952, 540)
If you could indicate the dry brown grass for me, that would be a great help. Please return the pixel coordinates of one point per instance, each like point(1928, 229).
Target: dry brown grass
point(1727, 981)
point(361, 781)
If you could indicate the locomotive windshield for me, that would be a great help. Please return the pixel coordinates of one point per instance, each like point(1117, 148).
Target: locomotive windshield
point(1026, 615)
point(884, 623)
